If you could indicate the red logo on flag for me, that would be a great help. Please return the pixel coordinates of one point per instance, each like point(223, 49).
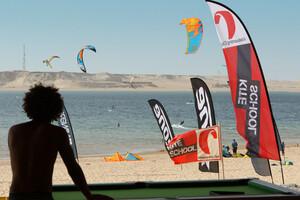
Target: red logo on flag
point(229, 21)
point(203, 139)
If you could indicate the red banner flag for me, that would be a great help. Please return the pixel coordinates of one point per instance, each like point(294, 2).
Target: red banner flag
point(196, 145)
point(254, 119)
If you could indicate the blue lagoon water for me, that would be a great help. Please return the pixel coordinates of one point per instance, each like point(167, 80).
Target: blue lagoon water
point(95, 117)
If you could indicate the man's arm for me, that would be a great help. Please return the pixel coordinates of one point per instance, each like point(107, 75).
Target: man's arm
point(10, 135)
point(74, 170)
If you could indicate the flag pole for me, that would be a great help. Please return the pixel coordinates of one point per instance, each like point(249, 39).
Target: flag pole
point(281, 169)
point(278, 141)
point(220, 147)
point(282, 176)
point(270, 171)
point(219, 172)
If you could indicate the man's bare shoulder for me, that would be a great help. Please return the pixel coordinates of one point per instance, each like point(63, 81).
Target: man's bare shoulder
point(18, 126)
point(49, 127)
point(59, 130)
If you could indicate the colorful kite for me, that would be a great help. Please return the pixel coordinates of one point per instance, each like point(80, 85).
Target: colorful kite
point(80, 57)
point(49, 60)
point(194, 28)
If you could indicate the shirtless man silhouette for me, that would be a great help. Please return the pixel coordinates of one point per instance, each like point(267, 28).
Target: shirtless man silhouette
point(34, 146)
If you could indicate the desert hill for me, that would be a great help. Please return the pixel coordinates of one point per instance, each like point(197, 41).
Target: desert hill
point(107, 81)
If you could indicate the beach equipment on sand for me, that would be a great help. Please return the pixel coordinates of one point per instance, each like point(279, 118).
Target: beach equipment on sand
point(240, 155)
point(118, 157)
point(132, 157)
point(246, 156)
point(287, 162)
point(114, 158)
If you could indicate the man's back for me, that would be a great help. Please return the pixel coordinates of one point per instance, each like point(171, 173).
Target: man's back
point(34, 146)
point(33, 151)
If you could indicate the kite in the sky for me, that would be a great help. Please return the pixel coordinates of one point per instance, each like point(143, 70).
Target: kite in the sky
point(80, 56)
point(194, 28)
point(49, 60)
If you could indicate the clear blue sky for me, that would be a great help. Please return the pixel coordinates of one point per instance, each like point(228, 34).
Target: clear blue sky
point(143, 36)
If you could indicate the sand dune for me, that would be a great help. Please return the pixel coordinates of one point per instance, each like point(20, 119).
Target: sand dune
point(22, 80)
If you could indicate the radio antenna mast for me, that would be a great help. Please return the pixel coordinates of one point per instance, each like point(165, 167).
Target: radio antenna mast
point(24, 58)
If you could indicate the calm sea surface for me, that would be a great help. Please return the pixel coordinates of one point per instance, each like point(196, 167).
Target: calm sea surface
point(95, 117)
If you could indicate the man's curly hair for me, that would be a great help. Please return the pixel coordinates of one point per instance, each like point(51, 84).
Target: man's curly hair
point(43, 103)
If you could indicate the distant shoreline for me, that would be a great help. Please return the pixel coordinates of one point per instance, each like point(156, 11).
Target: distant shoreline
point(134, 90)
point(71, 81)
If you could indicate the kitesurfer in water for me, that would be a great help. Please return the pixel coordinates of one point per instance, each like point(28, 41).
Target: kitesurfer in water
point(34, 145)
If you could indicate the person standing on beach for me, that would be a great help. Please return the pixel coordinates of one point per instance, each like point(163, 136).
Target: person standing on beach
point(34, 146)
point(283, 149)
point(234, 146)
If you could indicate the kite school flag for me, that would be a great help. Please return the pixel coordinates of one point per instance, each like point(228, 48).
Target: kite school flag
point(65, 122)
point(196, 145)
point(205, 116)
point(254, 119)
point(162, 121)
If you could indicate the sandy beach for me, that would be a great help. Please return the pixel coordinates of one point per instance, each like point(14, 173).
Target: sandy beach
point(157, 166)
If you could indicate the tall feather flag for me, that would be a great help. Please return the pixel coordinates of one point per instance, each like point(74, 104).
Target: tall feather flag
point(205, 116)
point(65, 122)
point(254, 118)
point(163, 122)
point(248, 89)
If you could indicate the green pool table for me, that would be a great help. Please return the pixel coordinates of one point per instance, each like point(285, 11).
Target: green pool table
point(211, 189)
